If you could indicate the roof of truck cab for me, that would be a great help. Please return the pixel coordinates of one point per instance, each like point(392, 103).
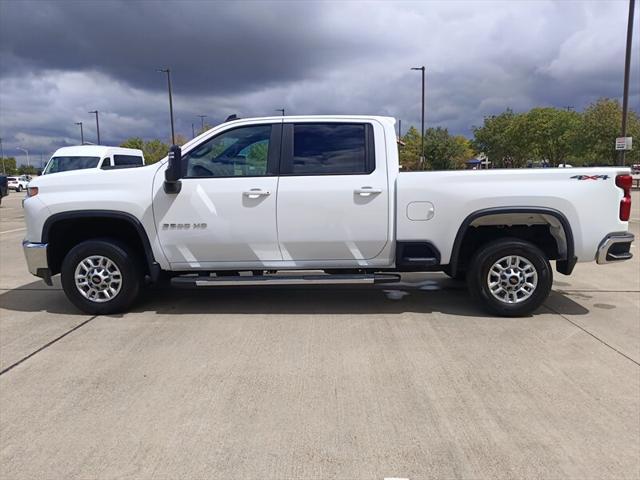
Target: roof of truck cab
point(306, 118)
point(94, 151)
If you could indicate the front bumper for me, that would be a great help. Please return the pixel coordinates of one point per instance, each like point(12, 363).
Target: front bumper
point(615, 247)
point(36, 256)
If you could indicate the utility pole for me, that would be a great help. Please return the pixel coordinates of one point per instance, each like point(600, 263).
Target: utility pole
point(168, 72)
point(202, 117)
point(97, 124)
point(627, 68)
point(422, 69)
point(399, 129)
point(81, 133)
point(281, 110)
point(193, 131)
point(2, 156)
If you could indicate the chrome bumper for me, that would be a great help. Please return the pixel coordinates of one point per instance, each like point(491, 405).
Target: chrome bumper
point(36, 256)
point(615, 247)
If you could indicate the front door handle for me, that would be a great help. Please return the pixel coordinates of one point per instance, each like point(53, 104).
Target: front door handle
point(367, 191)
point(256, 192)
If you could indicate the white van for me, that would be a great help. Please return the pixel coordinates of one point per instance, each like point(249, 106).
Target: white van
point(93, 156)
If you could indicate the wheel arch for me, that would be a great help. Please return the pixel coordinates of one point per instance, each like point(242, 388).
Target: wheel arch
point(109, 221)
point(565, 243)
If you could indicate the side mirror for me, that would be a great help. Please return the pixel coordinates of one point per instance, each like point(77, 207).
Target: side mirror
point(39, 172)
point(173, 173)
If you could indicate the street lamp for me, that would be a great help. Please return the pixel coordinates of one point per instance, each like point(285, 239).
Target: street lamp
point(168, 72)
point(422, 69)
point(202, 117)
point(97, 124)
point(627, 67)
point(280, 110)
point(193, 131)
point(81, 133)
point(27, 152)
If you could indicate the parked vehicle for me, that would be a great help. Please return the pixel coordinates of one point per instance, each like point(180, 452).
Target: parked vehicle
point(4, 187)
point(18, 183)
point(291, 194)
point(83, 157)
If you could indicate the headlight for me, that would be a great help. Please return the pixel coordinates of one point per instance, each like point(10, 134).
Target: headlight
point(32, 191)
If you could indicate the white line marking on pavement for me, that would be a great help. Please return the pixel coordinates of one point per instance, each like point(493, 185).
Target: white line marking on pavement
point(14, 230)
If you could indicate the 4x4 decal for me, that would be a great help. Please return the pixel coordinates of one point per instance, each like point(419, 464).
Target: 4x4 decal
point(590, 177)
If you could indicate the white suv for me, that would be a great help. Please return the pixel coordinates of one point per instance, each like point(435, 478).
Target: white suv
point(18, 183)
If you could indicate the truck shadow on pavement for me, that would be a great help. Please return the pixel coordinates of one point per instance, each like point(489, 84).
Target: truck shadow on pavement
point(440, 295)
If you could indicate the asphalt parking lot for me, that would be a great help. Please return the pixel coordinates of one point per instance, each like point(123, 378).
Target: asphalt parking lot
point(409, 381)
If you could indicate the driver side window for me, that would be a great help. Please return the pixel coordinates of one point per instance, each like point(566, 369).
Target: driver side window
point(241, 152)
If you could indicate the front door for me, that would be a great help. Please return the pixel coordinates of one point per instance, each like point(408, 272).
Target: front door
point(333, 201)
point(225, 213)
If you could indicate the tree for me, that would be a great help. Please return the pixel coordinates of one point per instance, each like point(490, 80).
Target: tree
point(550, 134)
point(503, 138)
point(409, 150)
point(153, 150)
point(599, 128)
point(442, 151)
point(9, 164)
point(27, 170)
point(133, 142)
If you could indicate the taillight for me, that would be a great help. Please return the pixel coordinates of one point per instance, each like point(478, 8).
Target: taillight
point(624, 182)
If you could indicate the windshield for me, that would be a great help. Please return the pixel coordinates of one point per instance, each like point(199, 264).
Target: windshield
point(64, 164)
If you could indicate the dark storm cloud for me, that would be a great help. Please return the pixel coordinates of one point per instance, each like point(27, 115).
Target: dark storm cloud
point(60, 59)
point(211, 46)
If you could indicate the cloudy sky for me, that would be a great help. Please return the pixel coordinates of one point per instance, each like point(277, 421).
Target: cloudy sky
point(60, 59)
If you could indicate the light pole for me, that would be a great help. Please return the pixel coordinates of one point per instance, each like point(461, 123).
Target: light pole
point(168, 72)
point(280, 110)
point(2, 156)
point(422, 69)
point(27, 152)
point(97, 124)
point(81, 133)
point(193, 131)
point(202, 117)
point(627, 67)
point(399, 129)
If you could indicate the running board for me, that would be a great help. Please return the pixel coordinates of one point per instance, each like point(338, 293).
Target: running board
point(254, 280)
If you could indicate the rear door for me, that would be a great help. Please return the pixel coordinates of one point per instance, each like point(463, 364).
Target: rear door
point(333, 194)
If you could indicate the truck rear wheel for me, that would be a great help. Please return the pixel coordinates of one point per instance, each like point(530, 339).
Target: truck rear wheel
point(101, 277)
point(510, 277)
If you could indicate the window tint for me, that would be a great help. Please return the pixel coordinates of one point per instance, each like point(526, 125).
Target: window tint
point(329, 148)
point(63, 164)
point(241, 152)
point(127, 160)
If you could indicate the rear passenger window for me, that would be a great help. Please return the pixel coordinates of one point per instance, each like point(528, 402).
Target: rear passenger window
point(127, 160)
point(332, 149)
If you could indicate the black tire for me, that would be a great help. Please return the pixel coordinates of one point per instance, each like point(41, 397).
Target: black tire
point(118, 253)
point(490, 254)
point(19, 189)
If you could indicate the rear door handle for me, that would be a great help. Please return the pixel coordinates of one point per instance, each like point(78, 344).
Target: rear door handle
point(367, 191)
point(256, 192)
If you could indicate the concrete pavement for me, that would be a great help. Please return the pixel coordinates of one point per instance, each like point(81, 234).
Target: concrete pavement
point(409, 381)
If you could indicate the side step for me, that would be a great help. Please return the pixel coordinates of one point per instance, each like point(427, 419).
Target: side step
point(253, 280)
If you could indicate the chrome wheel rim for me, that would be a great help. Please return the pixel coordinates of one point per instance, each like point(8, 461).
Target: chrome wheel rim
point(512, 279)
point(98, 279)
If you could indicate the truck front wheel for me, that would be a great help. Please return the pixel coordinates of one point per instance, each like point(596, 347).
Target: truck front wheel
point(101, 277)
point(510, 277)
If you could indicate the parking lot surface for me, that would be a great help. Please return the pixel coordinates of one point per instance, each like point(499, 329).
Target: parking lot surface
point(409, 380)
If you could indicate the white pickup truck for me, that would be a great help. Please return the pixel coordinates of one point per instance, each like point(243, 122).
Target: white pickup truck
point(316, 200)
